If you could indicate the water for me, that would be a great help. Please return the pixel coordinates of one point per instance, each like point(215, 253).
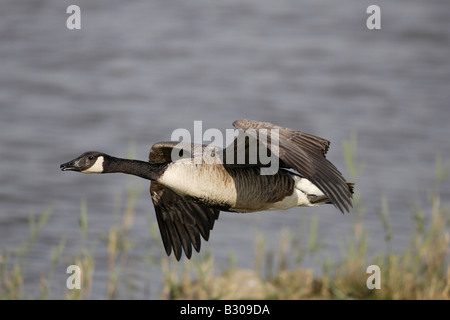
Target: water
point(137, 70)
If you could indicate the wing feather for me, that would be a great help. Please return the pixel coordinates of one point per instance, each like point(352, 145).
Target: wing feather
point(181, 222)
point(305, 153)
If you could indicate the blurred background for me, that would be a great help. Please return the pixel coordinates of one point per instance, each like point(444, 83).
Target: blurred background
point(137, 70)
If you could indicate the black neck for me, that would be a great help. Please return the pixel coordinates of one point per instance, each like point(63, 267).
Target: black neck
point(146, 170)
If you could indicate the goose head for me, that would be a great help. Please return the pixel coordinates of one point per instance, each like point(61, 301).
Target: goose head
point(88, 162)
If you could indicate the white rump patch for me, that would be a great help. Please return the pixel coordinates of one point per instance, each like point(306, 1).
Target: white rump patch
point(303, 188)
point(307, 186)
point(97, 167)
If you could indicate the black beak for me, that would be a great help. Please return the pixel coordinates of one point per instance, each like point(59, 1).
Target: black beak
point(70, 166)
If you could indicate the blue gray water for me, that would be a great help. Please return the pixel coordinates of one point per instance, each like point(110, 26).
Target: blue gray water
point(137, 70)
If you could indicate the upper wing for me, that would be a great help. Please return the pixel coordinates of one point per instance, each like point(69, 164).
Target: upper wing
point(162, 152)
point(304, 153)
point(170, 151)
point(180, 221)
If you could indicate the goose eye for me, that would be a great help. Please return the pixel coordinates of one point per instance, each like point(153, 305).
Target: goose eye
point(91, 157)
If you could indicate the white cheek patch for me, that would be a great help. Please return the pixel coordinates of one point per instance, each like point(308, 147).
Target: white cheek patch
point(97, 167)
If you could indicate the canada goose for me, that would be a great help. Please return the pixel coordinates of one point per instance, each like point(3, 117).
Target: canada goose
point(188, 196)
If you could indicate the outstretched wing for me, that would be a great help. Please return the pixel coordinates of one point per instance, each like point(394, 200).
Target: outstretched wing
point(180, 221)
point(304, 153)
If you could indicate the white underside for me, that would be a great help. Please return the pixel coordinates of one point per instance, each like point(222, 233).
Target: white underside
point(207, 182)
point(204, 182)
point(303, 187)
